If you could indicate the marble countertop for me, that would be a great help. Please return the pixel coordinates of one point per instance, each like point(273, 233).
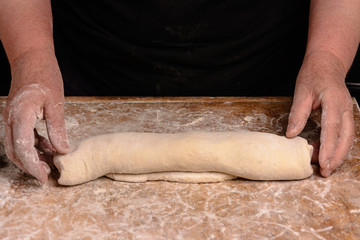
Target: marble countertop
point(314, 208)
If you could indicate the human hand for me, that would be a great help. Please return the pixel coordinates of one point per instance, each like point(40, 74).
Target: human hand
point(36, 92)
point(321, 83)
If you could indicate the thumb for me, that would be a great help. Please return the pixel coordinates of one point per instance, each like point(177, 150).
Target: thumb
point(55, 124)
point(299, 113)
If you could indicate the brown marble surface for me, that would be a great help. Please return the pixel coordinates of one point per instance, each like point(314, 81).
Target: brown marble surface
point(314, 208)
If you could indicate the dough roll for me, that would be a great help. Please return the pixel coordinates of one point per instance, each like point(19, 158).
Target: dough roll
point(251, 155)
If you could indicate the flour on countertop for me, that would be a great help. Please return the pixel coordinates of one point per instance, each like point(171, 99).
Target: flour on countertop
point(315, 208)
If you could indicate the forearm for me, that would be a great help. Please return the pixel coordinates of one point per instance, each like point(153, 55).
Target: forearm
point(25, 27)
point(334, 27)
point(334, 35)
point(36, 85)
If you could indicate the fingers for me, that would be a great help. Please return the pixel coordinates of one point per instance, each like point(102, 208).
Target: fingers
point(23, 144)
point(299, 113)
point(55, 123)
point(44, 149)
point(9, 149)
point(337, 122)
point(338, 137)
point(20, 141)
point(20, 116)
point(43, 144)
point(321, 82)
point(330, 130)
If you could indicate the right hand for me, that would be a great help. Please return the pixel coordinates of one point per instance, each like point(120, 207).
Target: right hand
point(36, 92)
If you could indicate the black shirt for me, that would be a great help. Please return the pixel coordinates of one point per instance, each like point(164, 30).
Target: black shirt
point(197, 47)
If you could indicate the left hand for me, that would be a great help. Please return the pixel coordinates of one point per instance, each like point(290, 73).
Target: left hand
point(321, 83)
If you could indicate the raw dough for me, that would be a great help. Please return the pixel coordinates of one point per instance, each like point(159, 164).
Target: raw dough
point(191, 177)
point(132, 156)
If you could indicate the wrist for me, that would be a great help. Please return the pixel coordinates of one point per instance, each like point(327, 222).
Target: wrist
point(33, 55)
point(325, 62)
point(36, 66)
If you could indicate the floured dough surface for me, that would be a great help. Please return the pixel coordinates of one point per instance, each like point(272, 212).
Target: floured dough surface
point(186, 157)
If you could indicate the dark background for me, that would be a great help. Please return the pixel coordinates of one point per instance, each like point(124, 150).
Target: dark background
point(5, 75)
point(352, 80)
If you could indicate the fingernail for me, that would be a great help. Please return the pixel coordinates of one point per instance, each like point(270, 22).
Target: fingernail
point(291, 127)
point(326, 173)
point(47, 168)
point(65, 145)
point(44, 178)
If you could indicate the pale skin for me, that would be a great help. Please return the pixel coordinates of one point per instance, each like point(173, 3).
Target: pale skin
point(37, 88)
